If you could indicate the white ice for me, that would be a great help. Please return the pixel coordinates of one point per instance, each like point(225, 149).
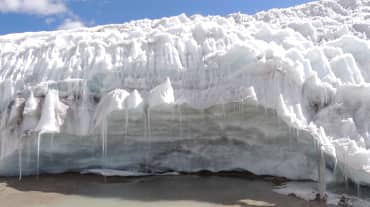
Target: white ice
point(265, 93)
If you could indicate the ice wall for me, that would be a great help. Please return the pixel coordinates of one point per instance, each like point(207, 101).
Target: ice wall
point(268, 93)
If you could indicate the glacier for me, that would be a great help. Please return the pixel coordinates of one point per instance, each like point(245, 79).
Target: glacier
point(284, 92)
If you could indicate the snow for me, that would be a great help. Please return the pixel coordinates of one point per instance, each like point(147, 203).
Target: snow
point(111, 102)
point(267, 93)
point(162, 94)
point(52, 114)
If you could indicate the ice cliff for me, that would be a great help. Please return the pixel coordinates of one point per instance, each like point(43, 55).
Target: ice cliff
point(270, 93)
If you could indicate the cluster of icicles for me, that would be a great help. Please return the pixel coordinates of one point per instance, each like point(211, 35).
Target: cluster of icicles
point(28, 119)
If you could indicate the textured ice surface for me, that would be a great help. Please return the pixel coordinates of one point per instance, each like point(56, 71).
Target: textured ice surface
point(264, 93)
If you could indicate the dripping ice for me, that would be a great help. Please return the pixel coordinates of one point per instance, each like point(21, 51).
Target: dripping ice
point(162, 93)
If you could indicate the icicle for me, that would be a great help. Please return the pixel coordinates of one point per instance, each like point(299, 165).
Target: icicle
point(52, 141)
point(149, 126)
point(322, 182)
point(297, 133)
point(84, 111)
point(38, 154)
point(345, 171)
point(27, 152)
point(290, 137)
point(180, 120)
point(335, 167)
point(358, 185)
point(147, 134)
point(2, 139)
point(126, 123)
point(20, 148)
point(145, 124)
point(104, 139)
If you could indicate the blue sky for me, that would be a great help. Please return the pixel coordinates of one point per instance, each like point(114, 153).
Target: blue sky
point(39, 15)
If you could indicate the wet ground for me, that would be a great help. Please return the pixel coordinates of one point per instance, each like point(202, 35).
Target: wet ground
point(176, 191)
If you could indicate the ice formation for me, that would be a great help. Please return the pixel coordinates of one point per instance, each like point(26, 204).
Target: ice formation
point(283, 92)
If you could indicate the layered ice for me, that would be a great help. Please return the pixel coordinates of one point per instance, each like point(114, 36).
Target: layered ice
point(283, 92)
